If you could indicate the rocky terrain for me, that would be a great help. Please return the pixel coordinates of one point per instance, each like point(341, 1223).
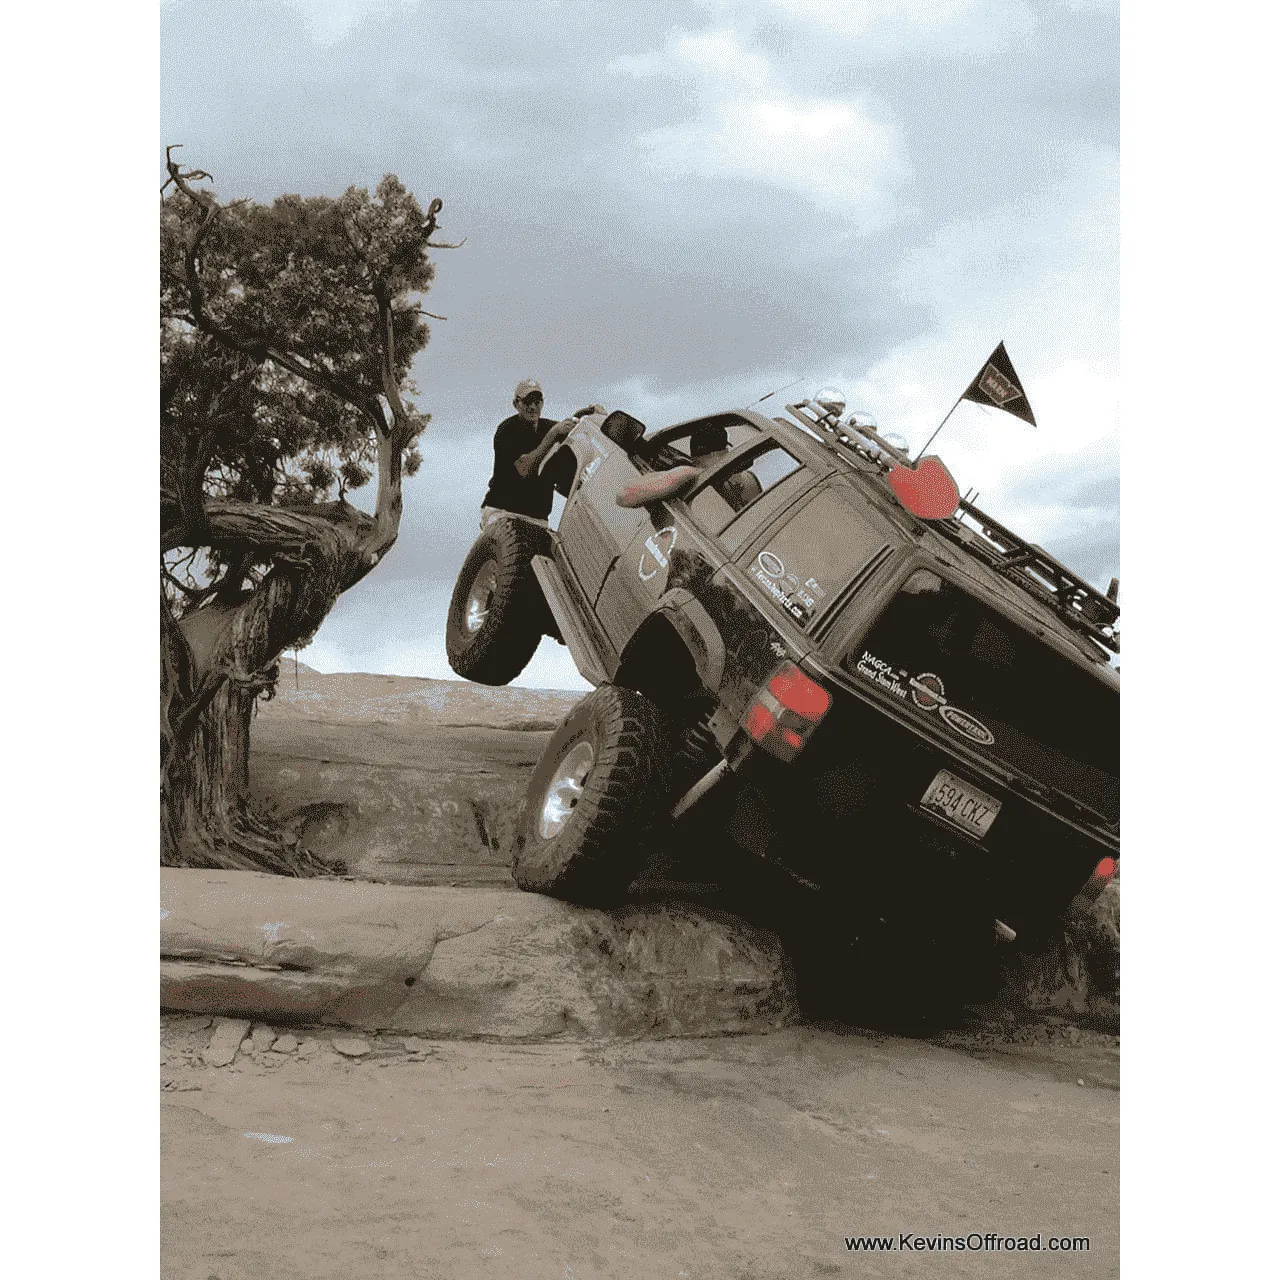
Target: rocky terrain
point(411, 1069)
point(408, 780)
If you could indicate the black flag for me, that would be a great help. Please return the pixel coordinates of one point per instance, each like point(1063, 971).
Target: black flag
point(998, 385)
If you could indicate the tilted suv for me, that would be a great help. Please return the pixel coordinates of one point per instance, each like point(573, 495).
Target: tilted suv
point(919, 716)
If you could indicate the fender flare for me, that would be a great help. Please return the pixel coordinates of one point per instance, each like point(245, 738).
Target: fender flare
point(693, 624)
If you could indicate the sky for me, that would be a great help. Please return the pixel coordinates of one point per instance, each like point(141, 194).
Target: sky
point(675, 208)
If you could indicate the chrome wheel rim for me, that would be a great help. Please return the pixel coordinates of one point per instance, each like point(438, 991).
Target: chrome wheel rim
point(481, 597)
point(565, 790)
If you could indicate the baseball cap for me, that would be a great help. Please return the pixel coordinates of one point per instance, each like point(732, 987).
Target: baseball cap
point(528, 387)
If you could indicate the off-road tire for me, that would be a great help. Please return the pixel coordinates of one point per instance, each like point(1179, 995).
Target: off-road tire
point(517, 616)
point(602, 846)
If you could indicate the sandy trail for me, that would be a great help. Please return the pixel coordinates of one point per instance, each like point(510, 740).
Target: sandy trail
point(747, 1158)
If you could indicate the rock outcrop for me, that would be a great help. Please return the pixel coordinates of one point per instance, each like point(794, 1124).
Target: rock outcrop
point(460, 962)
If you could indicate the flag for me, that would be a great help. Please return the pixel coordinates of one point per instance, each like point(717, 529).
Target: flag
point(998, 385)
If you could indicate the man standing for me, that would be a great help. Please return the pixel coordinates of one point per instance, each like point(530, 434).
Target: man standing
point(511, 489)
point(520, 444)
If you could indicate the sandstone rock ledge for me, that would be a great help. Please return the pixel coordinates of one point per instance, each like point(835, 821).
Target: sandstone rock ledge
point(485, 963)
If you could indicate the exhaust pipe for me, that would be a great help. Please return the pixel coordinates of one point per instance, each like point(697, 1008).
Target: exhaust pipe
point(699, 789)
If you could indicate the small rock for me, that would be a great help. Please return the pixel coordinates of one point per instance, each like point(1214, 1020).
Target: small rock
point(285, 1044)
point(182, 1026)
point(307, 1048)
point(227, 1036)
point(1079, 1082)
point(246, 1045)
point(351, 1048)
point(415, 1045)
point(263, 1037)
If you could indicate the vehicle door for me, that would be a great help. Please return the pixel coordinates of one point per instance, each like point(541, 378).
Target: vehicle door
point(665, 550)
point(593, 528)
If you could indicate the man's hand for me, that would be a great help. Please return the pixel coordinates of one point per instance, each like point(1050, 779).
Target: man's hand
point(530, 461)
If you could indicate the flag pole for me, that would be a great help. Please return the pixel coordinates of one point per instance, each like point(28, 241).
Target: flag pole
point(940, 425)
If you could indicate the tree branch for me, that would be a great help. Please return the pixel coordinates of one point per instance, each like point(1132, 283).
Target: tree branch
point(258, 346)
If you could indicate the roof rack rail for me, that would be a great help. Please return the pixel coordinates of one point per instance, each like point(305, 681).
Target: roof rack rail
point(1030, 567)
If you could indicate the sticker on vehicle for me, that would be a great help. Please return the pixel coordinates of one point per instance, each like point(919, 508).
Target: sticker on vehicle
point(885, 674)
point(784, 588)
point(970, 726)
point(771, 565)
point(928, 691)
point(657, 552)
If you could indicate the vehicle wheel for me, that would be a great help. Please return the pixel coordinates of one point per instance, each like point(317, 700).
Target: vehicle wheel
point(497, 615)
point(601, 786)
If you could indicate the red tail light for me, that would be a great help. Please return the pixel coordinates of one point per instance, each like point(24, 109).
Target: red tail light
point(786, 711)
point(1105, 870)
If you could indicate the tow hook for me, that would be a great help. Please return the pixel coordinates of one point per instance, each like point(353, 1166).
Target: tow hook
point(699, 789)
point(1004, 933)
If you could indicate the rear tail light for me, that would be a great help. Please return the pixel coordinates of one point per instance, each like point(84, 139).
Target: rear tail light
point(1105, 870)
point(786, 711)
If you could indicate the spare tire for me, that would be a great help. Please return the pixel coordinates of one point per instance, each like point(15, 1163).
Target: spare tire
point(602, 785)
point(498, 615)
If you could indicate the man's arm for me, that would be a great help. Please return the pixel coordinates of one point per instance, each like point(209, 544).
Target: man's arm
point(528, 463)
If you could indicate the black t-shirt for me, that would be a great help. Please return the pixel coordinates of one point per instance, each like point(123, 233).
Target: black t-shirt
point(508, 490)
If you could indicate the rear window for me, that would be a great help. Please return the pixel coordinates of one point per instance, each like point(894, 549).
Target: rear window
point(950, 657)
point(818, 552)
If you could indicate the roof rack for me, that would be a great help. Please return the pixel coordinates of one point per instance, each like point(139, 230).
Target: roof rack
point(1030, 567)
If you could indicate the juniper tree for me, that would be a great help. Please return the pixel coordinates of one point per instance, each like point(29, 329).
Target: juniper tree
point(287, 333)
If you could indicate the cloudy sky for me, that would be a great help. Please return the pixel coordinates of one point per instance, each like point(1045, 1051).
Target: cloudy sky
point(674, 208)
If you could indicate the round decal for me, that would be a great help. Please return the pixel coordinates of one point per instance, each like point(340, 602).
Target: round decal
point(657, 552)
point(927, 691)
point(770, 564)
point(970, 726)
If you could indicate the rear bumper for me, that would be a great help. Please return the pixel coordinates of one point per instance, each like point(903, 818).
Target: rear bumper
point(846, 817)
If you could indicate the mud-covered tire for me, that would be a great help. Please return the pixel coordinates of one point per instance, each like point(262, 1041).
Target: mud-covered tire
point(587, 842)
point(492, 642)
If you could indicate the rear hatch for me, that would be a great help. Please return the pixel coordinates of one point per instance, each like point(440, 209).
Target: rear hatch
point(957, 662)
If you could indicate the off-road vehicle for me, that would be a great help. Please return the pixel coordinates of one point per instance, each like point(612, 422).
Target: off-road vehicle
point(917, 716)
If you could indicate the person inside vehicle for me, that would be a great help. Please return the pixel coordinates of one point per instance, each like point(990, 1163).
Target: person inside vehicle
point(707, 447)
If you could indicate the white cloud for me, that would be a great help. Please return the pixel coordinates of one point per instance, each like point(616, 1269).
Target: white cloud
point(877, 30)
point(331, 21)
point(843, 153)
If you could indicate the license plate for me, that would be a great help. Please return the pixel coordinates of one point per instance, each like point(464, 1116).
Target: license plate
point(961, 803)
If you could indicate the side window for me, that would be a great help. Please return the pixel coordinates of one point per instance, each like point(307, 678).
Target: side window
point(702, 445)
point(734, 490)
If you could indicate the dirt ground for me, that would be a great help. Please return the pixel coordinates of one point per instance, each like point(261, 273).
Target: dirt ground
point(747, 1157)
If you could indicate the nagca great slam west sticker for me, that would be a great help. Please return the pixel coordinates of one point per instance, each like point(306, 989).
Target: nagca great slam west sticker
point(927, 692)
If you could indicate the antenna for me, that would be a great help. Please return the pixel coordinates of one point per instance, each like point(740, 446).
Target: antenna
point(770, 394)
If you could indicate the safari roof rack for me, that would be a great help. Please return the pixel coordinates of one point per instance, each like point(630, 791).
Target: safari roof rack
point(1081, 606)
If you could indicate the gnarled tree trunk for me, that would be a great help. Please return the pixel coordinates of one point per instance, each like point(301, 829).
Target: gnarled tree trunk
point(220, 658)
